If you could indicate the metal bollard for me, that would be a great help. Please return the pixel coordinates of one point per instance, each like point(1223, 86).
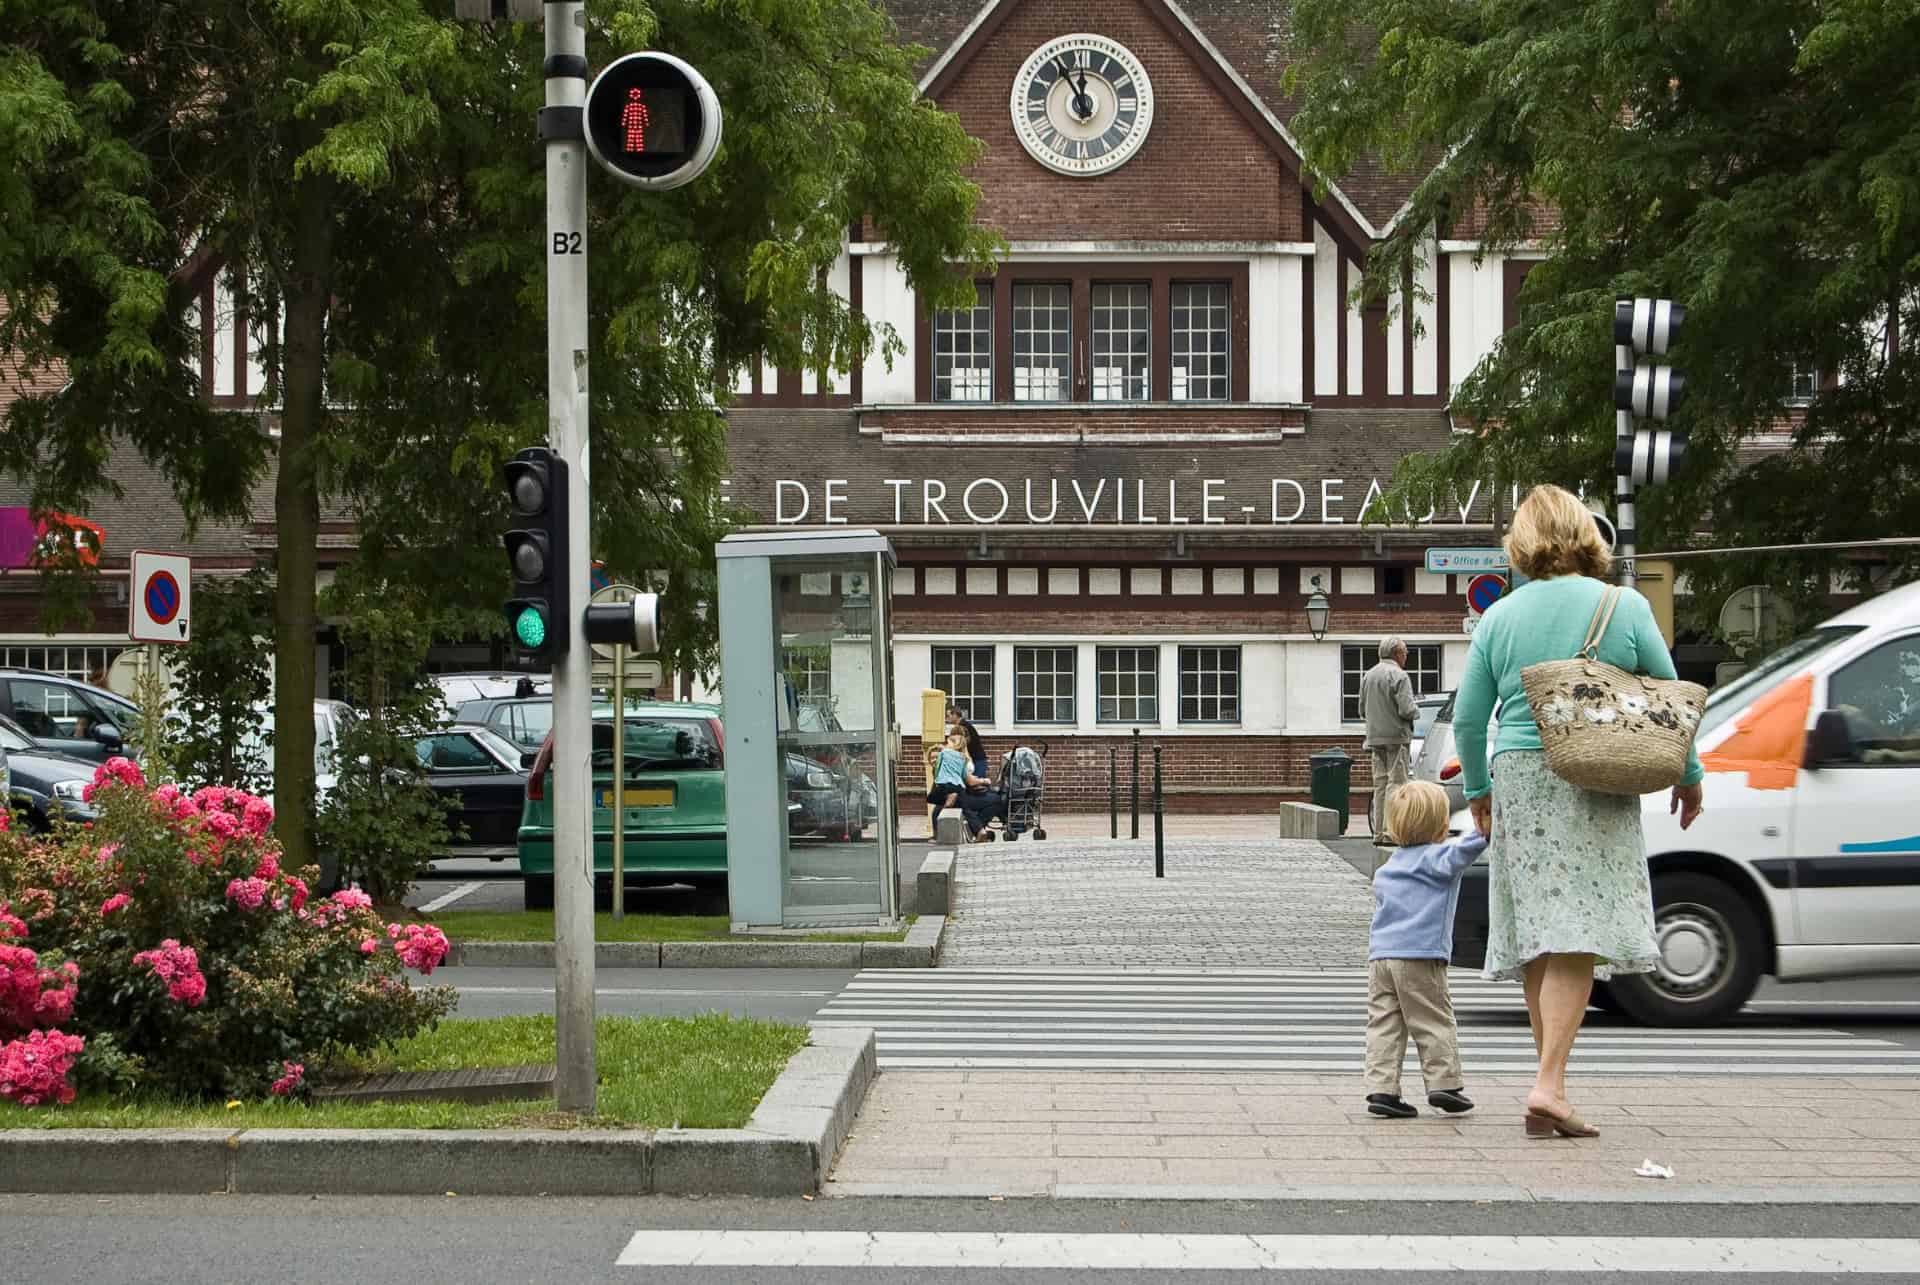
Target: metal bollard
point(1159, 829)
point(1136, 785)
point(1113, 793)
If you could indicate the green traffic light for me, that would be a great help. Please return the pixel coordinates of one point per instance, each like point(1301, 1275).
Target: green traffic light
point(531, 628)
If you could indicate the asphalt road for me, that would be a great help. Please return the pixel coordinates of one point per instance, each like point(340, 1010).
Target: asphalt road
point(427, 1240)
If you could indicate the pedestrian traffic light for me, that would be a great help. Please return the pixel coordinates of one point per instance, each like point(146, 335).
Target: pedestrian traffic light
point(652, 121)
point(1646, 328)
point(537, 551)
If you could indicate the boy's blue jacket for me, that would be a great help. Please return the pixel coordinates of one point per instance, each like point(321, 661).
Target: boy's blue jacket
point(1414, 896)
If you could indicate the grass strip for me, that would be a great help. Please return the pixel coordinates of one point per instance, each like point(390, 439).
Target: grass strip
point(705, 1072)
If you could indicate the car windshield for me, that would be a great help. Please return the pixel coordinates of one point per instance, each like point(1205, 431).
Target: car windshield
point(12, 739)
point(1733, 696)
point(1429, 711)
point(657, 743)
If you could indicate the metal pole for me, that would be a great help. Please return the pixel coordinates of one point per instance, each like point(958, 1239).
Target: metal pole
point(1624, 525)
point(566, 248)
point(1159, 829)
point(1136, 784)
point(1113, 793)
point(619, 782)
point(152, 747)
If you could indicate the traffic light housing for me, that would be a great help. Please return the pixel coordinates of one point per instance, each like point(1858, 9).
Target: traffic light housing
point(652, 121)
point(539, 609)
point(1647, 328)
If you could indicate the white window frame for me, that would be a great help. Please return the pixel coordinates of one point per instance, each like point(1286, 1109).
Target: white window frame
point(976, 690)
point(1217, 670)
point(1144, 669)
point(1426, 669)
point(1027, 675)
point(1192, 370)
point(971, 381)
point(1125, 375)
point(75, 660)
point(1051, 382)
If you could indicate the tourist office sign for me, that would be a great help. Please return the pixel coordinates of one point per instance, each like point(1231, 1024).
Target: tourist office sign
point(1466, 562)
point(1080, 501)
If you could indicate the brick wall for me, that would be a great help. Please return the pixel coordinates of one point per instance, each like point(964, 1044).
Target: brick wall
point(1196, 138)
point(1197, 773)
point(1071, 421)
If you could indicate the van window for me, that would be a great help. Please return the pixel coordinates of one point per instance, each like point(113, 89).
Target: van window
point(665, 743)
point(1733, 697)
point(1880, 695)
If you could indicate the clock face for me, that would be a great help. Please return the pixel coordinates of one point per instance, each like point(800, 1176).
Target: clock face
point(1082, 104)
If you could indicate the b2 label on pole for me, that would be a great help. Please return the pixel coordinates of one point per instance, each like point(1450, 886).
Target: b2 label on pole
point(652, 121)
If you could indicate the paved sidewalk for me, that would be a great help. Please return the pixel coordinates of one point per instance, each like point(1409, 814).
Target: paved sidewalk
point(1146, 1134)
point(1224, 903)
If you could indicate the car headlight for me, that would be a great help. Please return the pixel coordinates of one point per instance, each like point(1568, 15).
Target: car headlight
point(71, 791)
point(819, 780)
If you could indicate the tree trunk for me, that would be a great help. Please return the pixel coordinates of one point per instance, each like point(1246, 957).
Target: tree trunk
point(296, 505)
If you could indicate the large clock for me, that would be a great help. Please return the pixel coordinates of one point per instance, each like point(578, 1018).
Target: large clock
point(1082, 104)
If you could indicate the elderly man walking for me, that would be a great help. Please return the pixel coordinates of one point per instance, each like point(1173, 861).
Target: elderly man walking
point(1387, 706)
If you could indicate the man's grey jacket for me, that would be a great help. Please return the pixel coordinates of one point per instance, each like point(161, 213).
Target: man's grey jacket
point(1386, 703)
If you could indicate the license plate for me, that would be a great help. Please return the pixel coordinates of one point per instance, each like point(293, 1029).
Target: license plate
point(656, 796)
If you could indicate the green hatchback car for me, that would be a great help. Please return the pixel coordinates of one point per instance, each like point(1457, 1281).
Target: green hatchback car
point(675, 797)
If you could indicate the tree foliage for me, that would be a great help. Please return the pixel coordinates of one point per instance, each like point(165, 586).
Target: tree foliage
point(223, 681)
point(1758, 161)
point(370, 169)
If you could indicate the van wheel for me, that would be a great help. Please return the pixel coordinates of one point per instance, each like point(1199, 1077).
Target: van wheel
point(538, 891)
point(1710, 945)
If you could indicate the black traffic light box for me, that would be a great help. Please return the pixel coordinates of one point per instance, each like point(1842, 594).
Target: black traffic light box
point(538, 612)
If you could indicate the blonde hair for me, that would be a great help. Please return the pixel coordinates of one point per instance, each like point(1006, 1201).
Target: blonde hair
point(1417, 813)
point(1554, 535)
point(958, 734)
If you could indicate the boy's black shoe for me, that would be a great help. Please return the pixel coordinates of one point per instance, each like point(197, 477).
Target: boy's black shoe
point(1452, 1101)
point(1391, 1105)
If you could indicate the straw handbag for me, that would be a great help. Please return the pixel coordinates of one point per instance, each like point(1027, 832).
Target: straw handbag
point(1605, 729)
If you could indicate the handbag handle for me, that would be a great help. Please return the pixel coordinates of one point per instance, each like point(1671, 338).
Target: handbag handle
point(1597, 627)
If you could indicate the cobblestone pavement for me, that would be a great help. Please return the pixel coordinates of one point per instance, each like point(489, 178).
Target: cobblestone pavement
point(1224, 903)
point(1143, 1133)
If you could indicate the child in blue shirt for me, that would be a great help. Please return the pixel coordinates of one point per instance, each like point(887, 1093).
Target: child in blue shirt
point(950, 773)
point(1415, 893)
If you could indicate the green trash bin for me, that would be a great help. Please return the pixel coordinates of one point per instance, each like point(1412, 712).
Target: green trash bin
point(1332, 779)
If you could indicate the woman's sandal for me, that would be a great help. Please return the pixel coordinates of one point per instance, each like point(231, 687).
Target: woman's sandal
point(1541, 1123)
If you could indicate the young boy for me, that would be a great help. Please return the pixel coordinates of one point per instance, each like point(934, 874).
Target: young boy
point(1414, 897)
point(950, 773)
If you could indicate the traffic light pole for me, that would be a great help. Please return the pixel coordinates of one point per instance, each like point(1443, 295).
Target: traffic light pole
point(1624, 523)
point(562, 131)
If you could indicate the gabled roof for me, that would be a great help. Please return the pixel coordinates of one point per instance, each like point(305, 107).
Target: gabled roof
point(1246, 40)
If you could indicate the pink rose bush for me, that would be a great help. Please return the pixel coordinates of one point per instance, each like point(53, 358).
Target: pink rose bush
point(166, 947)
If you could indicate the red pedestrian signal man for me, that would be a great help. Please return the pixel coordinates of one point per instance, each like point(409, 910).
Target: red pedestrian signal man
point(633, 120)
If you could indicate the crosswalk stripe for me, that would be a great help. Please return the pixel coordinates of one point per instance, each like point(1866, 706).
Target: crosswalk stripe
point(1165, 1252)
point(1282, 1019)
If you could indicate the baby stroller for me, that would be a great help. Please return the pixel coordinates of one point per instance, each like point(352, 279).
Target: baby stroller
point(1022, 783)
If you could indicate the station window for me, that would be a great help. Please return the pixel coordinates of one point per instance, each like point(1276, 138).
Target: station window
point(1209, 684)
point(963, 350)
point(1043, 684)
point(965, 674)
point(1202, 364)
point(1423, 670)
point(1129, 684)
point(1122, 335)
point(1042, 341)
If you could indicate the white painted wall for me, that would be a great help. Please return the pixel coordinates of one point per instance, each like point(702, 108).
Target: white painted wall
point(1396, 345)
point(1268, 339)
point(1476, 308)
point(839, 280)
point(1356, 334)
point(886, 298)
point(1326, 316)
point(1426, 343)
point(1293, 330)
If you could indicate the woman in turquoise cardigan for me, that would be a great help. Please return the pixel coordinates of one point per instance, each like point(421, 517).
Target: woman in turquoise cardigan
point(1568, 893)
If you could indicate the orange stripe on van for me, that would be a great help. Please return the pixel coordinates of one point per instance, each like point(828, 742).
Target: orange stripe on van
point(1770, 741)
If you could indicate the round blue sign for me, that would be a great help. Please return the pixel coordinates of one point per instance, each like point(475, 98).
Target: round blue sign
point(1484, 590)
point(162, 597)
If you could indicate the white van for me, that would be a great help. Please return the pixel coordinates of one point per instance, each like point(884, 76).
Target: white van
point(1816, 881)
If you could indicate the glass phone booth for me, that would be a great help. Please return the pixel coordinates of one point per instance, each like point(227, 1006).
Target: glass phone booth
point(806, 685)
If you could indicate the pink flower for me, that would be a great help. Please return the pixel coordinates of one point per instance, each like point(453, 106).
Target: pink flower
point(223, 824)
point(292, 1074)
point(179, 967)
point(113, 903)
point(33, 996)
point(300, 893)
point(268, 869)
point(421, 948)
point(106, 854)
point(248, 894)
point(34, 1070)
point(257, 818)
point(121, 771)
point(368, 946)
point(11, 925)
point(353, 899)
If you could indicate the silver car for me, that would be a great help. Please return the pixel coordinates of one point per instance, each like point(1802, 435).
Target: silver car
point(1438, 761)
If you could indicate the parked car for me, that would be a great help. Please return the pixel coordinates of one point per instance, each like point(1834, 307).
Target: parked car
point(524, 720)
point(1438, 761)
point(66, 716)
point(674, 794)
point(42, 786)
point(1817, 879)
point(1429, 706)
point(479, 774)
point(330, 719)
point(832, 804)
point(458, 689)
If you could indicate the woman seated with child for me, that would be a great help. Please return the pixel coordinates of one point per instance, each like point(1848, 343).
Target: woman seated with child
point(956, 784)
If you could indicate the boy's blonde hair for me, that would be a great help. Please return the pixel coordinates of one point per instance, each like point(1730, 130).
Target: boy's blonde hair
point(1417, 813)
point(957, 734)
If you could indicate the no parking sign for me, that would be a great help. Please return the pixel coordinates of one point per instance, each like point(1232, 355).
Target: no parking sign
point(160, 597)
point(1483, 591)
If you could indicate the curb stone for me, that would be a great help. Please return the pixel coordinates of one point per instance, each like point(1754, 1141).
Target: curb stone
point(786, 1149)
point(921, 949)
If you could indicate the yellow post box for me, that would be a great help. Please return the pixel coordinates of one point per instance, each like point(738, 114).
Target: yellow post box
point(933, 730)
point(1656, 582)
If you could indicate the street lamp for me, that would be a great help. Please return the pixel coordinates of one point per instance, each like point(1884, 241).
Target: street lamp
point(1318, 609)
